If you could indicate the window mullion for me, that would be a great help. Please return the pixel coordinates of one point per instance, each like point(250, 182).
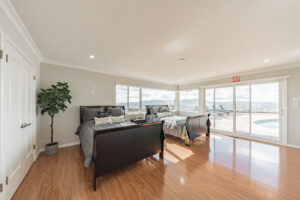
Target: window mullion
point(128, 98)
point(141, 100)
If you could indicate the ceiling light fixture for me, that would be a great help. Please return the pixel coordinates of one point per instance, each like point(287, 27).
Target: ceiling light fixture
point(182, 59)
point(266, 60)
point(92, 57)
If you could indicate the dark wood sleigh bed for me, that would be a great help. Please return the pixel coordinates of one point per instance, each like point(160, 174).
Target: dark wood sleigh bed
point(196, 125)
point(116, 147)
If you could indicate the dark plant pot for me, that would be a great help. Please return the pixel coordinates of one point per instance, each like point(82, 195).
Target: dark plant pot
point(51, 148)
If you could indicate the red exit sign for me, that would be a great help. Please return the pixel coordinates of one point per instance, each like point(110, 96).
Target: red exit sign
point(236, 79)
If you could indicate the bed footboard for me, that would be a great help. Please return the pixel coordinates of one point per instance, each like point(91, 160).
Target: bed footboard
point(197, 125)
point(118, 147)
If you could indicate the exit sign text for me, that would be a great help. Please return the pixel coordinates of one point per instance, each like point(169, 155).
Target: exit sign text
point(236, 79)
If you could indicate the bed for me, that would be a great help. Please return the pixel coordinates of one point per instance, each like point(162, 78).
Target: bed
point(114, 145)
point(186, 128)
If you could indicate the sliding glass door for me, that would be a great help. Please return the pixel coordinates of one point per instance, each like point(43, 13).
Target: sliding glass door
point(251, 110)
point(265, 110)
point(224, 109)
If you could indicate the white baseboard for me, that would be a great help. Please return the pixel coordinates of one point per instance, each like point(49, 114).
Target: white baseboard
point(62, 145)
point(293, 146)
point(36, 155)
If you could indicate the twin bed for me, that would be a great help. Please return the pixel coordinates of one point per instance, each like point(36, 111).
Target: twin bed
point(111, 142)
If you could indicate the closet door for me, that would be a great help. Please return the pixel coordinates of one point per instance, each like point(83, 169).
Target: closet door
point(14, 109)
point(28, 98)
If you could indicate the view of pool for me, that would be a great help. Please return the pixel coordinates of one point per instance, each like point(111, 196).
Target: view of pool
point(268, 123)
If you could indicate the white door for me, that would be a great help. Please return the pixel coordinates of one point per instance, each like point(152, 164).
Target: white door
point(14, 132)
point(27, 98)
point(19, 102)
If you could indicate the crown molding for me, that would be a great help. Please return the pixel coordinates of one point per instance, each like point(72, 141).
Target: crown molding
point(18, 23)
point(74, 66)
point(245, 73)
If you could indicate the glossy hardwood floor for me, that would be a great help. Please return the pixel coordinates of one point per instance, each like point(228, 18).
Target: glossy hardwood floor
point(218, 167)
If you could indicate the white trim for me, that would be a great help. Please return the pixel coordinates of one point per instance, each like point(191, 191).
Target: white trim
point(293, 146)
point(245, 73)
point(74, 66)
point(2, 149)
point(18, 23)
point(256, 140)
point(144, 87)
point(62, 146)
point(254, 81)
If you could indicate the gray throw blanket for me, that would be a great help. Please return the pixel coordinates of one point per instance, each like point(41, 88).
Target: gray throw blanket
point(86, 135)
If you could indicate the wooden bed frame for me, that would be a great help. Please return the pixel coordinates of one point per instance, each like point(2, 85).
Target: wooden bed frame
point(116, 147)
point(196, 125)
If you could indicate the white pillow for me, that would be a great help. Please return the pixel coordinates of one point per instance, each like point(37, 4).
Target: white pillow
point(102, 121)
point(119, 119)
point(164, 114)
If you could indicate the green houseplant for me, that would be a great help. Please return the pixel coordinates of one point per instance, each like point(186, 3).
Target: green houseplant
point(51, 101)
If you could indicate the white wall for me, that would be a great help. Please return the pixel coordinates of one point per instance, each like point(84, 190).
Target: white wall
point(81, 82)
point(293, 90)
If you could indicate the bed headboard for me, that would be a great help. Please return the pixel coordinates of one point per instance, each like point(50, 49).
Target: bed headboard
point(102, 109)
point(159, 108)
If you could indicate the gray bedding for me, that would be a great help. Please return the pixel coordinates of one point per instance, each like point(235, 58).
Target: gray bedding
point(86, 136)
point(175, 126)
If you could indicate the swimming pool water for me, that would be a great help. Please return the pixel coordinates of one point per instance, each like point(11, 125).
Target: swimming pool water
point(268, 123)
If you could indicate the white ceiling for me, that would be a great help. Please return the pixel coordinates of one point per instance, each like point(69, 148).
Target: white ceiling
point(146, 38)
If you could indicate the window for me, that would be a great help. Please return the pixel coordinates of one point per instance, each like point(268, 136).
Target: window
point(129, 97)
point(134, 99)
point(189, 100)
point(256, 110)
point(158, 97)
point(122, 96)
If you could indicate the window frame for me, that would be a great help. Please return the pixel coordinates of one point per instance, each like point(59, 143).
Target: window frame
point(141, 96)
point(198, 101)
point(282, 80)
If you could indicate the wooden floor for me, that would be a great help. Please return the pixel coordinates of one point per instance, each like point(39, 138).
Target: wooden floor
point(218, 167)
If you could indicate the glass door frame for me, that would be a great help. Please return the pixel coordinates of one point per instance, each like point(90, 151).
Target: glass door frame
point(282, 81)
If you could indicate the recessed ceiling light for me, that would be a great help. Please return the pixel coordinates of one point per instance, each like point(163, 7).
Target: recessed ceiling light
point(266, 60)
point(181, 59)
point(92, 56)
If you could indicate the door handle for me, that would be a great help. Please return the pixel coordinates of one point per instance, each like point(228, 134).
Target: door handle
point(27, 124)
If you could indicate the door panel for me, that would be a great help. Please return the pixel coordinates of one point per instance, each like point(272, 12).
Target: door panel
point(28, 115)
point(14, 136)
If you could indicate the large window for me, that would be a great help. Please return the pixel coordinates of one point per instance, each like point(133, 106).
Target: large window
point(251, 110)
point(158, 97)
point(129, 97)
point(122, 96)
point(189, 100)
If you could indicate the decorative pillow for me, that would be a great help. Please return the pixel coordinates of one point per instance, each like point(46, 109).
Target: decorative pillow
point(102, 121)
point(164, 114)
point(90, 113)
point(103, 114)
point(115, 111)
point(119, 119)
point(153, 110)
point(162, 109)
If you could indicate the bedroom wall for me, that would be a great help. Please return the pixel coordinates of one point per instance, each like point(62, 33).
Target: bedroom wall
point(293, 90)
point(81, 82)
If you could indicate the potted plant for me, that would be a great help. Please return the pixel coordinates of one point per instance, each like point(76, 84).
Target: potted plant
point(51, 101)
